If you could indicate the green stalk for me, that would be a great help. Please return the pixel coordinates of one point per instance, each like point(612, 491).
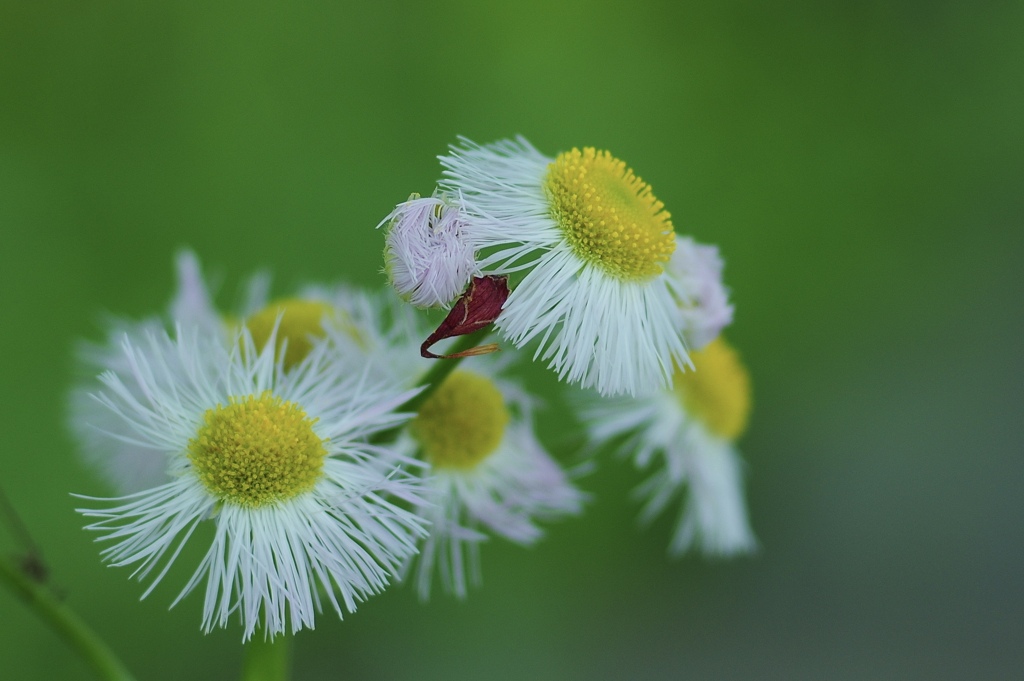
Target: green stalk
point(442, 367)
point(433, 379)
point(267, 659)
point(64, 622)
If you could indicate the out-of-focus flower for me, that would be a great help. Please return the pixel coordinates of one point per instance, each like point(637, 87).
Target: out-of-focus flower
point(687, 435)
point(488, 474)
point(707, 310)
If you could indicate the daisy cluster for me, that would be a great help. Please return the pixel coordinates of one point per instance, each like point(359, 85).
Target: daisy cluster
point(317, 452)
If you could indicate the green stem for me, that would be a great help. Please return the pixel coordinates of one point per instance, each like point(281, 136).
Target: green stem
point(266, 659)
point(433, 379)
point(65, 623)
point(442, 367)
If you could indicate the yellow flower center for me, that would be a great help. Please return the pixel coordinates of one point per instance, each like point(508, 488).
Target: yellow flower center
point(301, 324)
point(609, 215)
point(717, 391)
point(257, 450)
point(462, 422)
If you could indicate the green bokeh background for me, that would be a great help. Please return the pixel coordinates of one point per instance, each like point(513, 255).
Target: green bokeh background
point(860, 165)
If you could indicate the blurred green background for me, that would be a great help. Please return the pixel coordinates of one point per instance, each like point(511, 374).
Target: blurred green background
point(860, 165)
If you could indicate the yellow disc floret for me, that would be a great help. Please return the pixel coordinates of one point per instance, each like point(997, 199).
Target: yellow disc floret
point(609, 216)
point(717, 390)
point(301, 323)
point(257, 450)
point(462, 423)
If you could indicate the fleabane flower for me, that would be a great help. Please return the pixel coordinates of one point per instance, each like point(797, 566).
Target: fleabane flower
point(705, 309)
point(592, 244)
point(302, 508)
point(687, 435)
point(426, 256)
point(488, 475)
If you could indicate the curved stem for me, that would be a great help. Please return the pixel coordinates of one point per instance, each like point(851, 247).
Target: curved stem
point(64, 622)
point(267, 659)
point(442, 367)
point(433, 379)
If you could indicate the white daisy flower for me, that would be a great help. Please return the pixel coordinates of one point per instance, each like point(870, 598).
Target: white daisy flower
point(687, 435)
point(707, 310)
point(426, 255)
point(303, 509)
point(592, 243)
point(489, 474)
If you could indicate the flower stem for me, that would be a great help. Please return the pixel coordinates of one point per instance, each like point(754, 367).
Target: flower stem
point(64, 622)
point(433, 379)
point(267, 659)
